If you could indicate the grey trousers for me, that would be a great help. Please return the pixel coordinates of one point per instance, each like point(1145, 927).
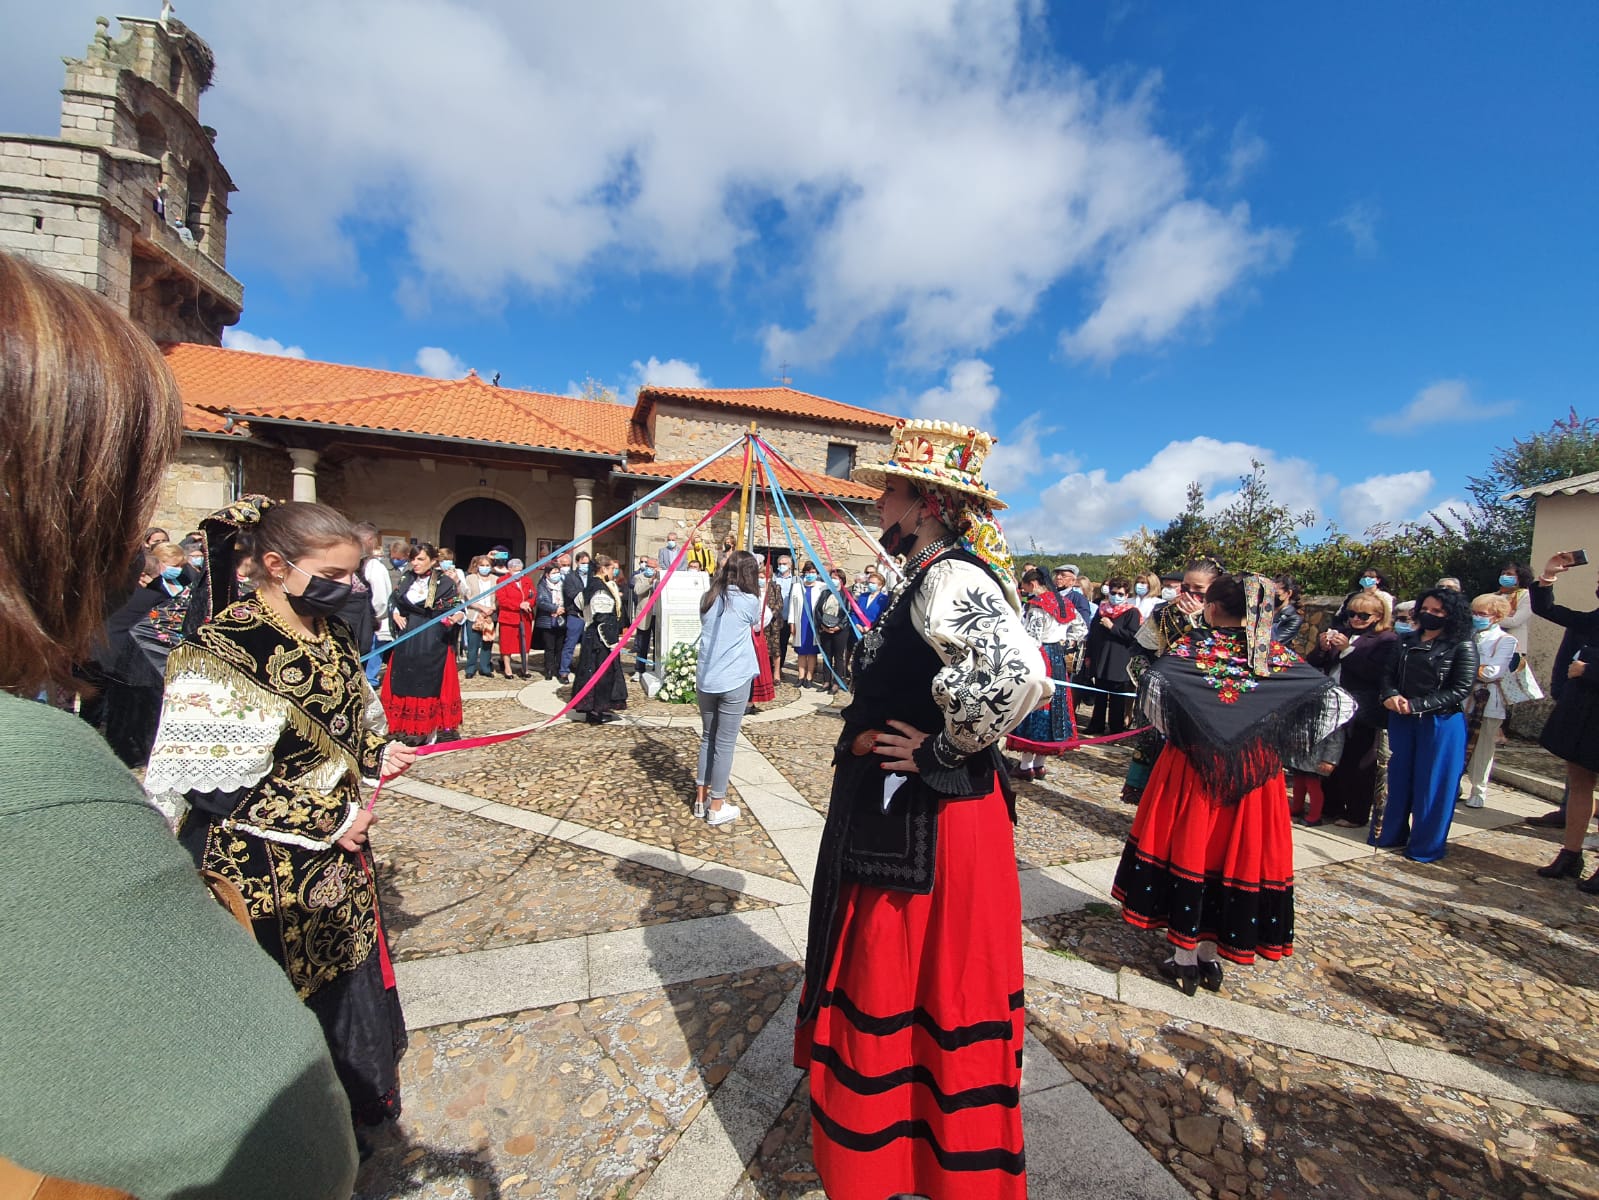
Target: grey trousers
point(721, 713)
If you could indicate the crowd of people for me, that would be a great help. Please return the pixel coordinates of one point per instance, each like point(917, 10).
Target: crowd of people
point(238, 669)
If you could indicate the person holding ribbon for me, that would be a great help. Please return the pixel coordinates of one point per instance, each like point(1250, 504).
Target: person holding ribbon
point(268, 726)
point(421, 692)
point(1210, 858)
point(910, 1019)
point(602, 601)
point(1050, 730)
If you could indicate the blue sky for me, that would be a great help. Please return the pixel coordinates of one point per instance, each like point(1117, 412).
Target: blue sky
point(1141, 242)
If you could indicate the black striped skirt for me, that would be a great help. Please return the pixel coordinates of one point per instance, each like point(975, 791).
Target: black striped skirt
point(915, 1052)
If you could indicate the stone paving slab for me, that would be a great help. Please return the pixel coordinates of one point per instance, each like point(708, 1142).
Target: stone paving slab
point(628, 959)
point(486, 983)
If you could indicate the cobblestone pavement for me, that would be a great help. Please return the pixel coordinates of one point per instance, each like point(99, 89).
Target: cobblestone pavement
point(575, 1100)
point(1473, 957)
point(633, 781)
point(1233, 1116)
point(454, 883)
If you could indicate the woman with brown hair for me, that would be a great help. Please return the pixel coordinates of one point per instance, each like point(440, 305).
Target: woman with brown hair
point(115, 956)
point(1354, 653)
point(421, 693)
point(268, 726)
point(602, 601)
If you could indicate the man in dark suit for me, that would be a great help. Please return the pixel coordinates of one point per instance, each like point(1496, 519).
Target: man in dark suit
point(573, 586)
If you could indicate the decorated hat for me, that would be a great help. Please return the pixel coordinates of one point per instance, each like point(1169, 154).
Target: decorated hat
point(937, 453)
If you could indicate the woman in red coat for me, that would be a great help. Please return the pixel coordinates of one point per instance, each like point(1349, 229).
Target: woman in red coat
point(513, 602)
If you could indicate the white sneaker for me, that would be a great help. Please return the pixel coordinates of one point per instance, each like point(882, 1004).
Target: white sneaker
point(723, 815)
point(1476, 802)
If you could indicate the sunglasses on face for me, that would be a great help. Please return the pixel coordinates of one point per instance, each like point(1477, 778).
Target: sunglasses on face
point(1362, 616)
point(1193, 589)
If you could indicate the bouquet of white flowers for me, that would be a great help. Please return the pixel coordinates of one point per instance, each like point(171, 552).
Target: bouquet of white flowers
point(682, 666)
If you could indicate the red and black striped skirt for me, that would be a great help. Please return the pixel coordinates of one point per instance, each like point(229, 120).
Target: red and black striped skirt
point(915, 1052)
point(1207, 872)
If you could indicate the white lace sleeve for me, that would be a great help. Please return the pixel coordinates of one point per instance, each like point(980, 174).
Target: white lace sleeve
point(212, 737)
point(993, 675)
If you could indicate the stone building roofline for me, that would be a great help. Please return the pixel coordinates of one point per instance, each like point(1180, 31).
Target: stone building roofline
point(773, 401)
point(728, 472)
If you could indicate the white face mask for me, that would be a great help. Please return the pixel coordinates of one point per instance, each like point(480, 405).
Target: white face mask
point(1168, 593)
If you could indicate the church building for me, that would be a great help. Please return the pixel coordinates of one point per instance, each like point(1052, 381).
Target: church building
point(130, 199)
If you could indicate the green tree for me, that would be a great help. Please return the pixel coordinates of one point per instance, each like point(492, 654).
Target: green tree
point(1254, 532)
point(1570, 446)
point(1189, 534)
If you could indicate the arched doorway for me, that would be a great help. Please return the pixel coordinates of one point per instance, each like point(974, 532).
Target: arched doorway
point(477, 525)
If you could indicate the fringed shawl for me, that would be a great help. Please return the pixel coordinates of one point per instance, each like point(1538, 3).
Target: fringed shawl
point(1236, 727)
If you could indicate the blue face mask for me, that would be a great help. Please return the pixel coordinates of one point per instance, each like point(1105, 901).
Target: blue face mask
point(873, 586)
point(484, 570)
point(1508, 581)
point(171, 574)
point(1480, 623)
point(649, 572)
point(447, 564)
point(1368, 581)
point(784, 569)
point(1404, 627)
point(810, 577)
point(1141, 589)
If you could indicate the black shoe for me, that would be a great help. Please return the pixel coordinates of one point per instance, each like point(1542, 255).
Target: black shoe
point(1210, 976)
point(1589, 885)
point(593, 718)
point(1548, 820)
point(1566, 865)
point(563, 680)
point(1185, 977)
point(609, 718)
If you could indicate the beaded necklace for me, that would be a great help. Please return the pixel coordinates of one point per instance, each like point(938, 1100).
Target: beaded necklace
point(873, 641)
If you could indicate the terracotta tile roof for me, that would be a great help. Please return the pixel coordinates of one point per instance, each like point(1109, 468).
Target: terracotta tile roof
point(203, 420)
point(267, 387)
point(778, 401)
point(729, 470)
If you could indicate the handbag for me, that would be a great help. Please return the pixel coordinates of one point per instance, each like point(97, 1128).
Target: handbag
point(1520, 685)
point(483, 624)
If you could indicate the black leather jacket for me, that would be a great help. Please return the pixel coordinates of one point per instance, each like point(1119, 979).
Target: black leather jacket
point(1436, 676)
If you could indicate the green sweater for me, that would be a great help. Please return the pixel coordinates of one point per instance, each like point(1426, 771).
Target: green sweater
point(146, 1042)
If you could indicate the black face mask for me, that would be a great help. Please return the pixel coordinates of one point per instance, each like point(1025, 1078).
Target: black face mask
point(322, 596)
point(1430, 621)
point(895, 540)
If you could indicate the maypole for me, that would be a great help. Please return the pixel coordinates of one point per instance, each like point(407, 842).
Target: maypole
point(745, 532)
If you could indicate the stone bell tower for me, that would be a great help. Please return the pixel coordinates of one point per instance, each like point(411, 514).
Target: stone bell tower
point(130, 199)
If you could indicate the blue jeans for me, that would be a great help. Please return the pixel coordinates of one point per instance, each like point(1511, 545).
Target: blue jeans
point(1424, 760)
point(479, 656)
point(374, 665)
point(721, 713)
point(574, 635)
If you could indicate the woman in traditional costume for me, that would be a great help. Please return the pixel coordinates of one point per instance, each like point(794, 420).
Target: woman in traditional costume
point(1050, 730)
point(421, 693)
point(1172, 621)
point(602, 601)
point(1211, 855)
point(764, 689)
point(268, 726)
point(911, 1017)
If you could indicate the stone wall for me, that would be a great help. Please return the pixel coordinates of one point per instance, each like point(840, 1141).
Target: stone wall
point(685, 432)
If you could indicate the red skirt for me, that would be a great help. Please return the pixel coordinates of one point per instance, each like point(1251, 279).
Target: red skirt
point(915, 1053)
point(763, 688)
point(513, 637)
point(1207, 872)
point(422, 715)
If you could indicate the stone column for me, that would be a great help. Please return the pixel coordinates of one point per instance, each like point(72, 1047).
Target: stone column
point(304, 473)
point(583, 512)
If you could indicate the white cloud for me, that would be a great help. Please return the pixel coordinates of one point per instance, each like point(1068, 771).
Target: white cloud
point(1246, 152)
point(968, 394)
point(1088, 510)
point(920, 173)
point(1383, 499)
point(674, 372)
point(439, 363)
point(1359, 221)
point(1448, 512)
point(1447, 401)
point(239, 339)
point(1022, 456)
point(1180, 266)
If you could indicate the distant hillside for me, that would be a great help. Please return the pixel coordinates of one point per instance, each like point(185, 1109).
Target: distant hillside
point(1094, 565)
